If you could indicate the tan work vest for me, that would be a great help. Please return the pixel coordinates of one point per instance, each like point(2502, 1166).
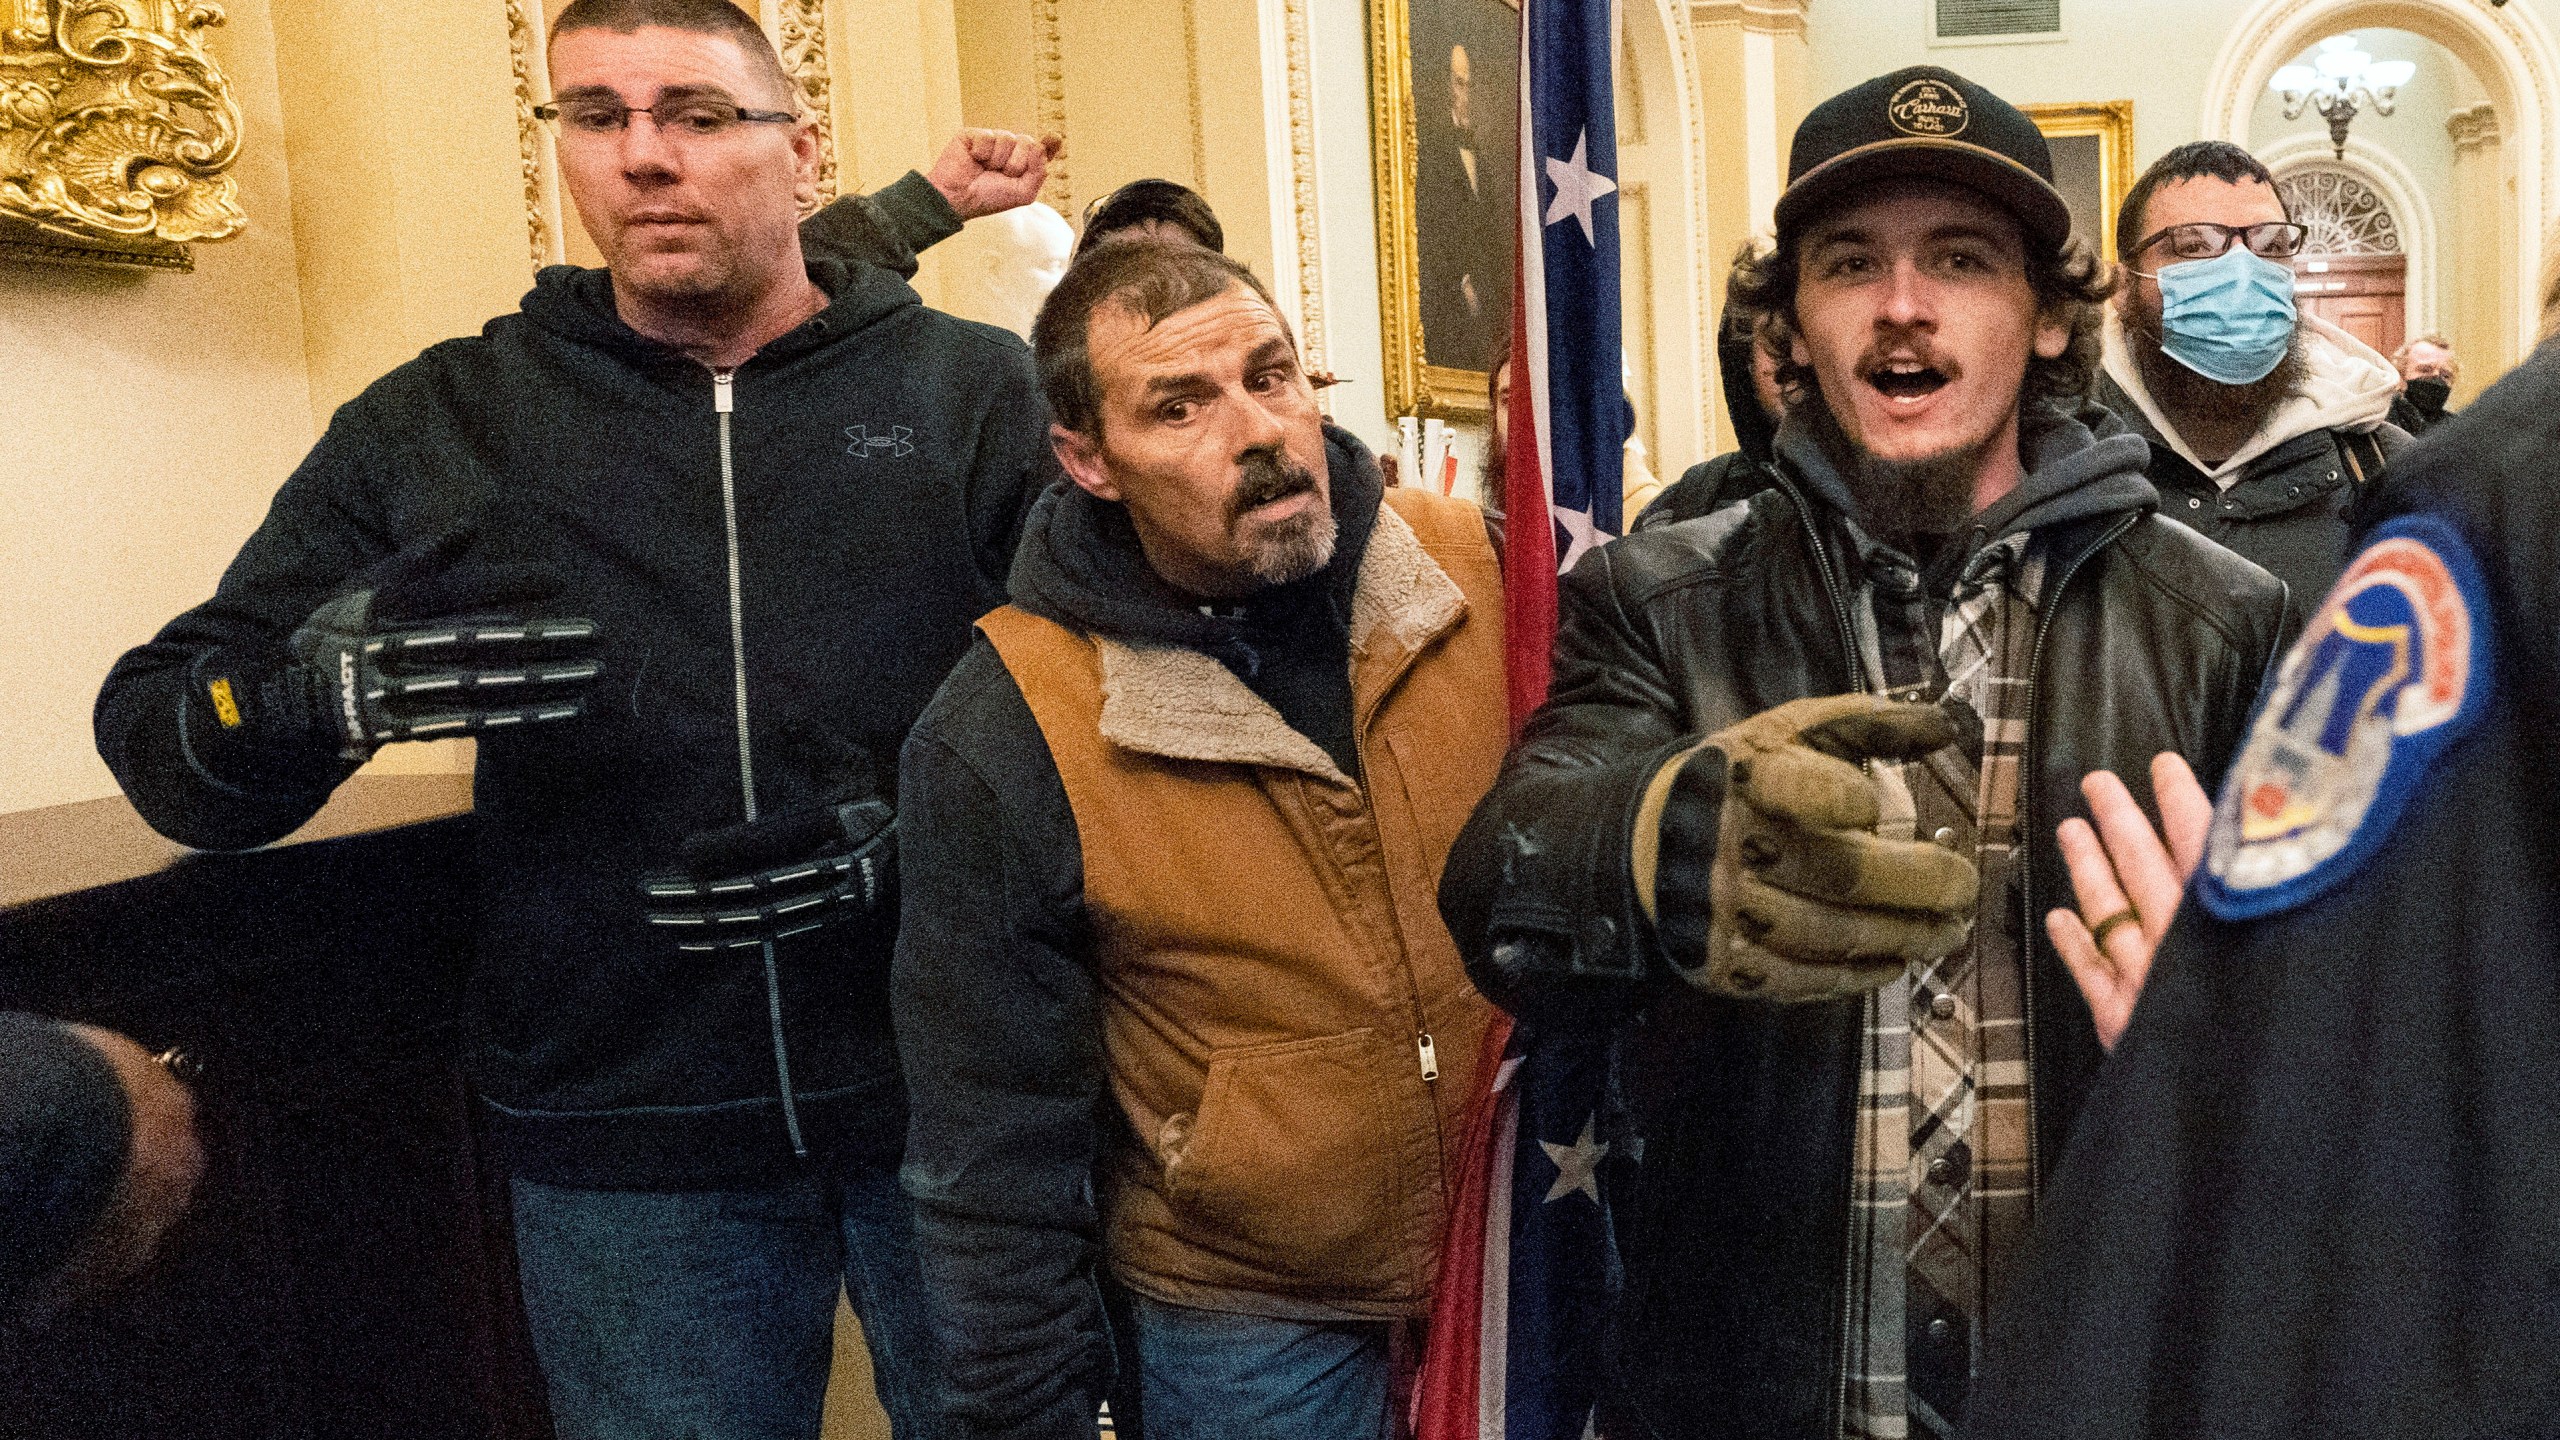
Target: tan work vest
point(1268, 935)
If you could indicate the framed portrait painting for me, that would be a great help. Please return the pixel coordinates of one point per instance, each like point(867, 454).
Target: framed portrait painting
point(2092, 143)
point(1446, 77)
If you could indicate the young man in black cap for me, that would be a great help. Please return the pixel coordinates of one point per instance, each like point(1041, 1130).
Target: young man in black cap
point(1844, 1054)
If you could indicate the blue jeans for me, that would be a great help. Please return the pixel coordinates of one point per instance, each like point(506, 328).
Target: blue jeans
point(1206, 1375)
point(710, 1315)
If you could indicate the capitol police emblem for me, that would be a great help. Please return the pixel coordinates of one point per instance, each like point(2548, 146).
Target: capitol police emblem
point(1931, 108)
point(2395, 667)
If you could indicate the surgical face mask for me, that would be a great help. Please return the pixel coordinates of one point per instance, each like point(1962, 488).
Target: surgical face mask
point(2229, 319)
point(2429, 394)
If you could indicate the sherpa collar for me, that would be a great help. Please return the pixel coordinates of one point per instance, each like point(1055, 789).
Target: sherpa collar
point(1177, 702)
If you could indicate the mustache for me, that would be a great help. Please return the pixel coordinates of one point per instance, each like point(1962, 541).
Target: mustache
point(1913, 348)
point(1265, 476)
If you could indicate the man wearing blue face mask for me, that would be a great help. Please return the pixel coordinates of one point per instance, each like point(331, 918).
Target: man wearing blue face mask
point(2264, 423)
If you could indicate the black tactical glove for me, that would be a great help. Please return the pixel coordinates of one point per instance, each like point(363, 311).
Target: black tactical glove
point(1804, 900)
point(423, 648)
point(781, 876)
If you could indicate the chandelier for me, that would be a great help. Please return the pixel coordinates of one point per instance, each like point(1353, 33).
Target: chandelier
point(2340, 80)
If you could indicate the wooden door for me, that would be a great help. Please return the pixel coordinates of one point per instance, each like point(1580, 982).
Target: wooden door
point(2364, 295)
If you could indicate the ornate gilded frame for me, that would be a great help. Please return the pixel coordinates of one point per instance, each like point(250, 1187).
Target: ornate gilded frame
point(1414, 386)
point(2112, 122)
point(117, 133)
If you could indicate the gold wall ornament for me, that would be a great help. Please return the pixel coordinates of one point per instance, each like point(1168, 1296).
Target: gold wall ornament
point(801, 37)
point(1049, 101)
point(117, 132)
point(532, 144)
point(1302, 187)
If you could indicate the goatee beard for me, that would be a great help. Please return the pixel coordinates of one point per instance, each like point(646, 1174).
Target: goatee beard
point(2210, 415)
point(1294, 548)
point(1909, 504)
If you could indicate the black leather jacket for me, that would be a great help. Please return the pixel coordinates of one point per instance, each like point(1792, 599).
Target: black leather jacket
point(1732, 1229)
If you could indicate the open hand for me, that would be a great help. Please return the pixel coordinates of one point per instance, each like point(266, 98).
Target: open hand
point(2127, 879)
point(987, 172)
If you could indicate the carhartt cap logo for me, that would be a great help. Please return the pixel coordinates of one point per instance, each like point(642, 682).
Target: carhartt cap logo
point(1930, 108)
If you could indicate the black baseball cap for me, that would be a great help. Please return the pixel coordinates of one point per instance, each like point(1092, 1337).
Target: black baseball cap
point(1929, 122)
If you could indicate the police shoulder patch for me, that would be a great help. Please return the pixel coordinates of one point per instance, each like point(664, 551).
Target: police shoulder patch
point(2394, 667)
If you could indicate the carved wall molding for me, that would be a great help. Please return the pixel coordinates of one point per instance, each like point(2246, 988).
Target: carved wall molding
point(802, 39)
point(1302, 185)
point(1049, 80)
point(117, 132)
point(2473, 126)
point(1687, 85)
point(1199, 115)
point(1762, 17)
point(524, 46)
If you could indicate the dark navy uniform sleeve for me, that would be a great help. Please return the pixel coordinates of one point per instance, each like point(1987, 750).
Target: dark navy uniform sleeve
point(999, 1034)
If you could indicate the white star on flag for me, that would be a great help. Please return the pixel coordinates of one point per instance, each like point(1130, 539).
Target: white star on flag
point(1577, 1165)
point(1580, 534)
point(1577, 186)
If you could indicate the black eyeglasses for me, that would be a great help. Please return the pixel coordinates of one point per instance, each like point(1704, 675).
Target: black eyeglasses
point(2205, 240)
point(692, 119)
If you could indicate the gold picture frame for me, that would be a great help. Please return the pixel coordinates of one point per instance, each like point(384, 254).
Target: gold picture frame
point(1429, 374)
point(2109, 123)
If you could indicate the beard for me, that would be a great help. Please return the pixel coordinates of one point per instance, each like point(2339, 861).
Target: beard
point(2209, 414)
point(1909, 504)
point(1284, 550)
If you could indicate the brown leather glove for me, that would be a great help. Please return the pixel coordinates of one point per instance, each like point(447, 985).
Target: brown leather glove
point(1807, 902)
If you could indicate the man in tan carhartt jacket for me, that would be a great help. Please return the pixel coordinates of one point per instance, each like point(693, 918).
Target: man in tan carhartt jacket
point(1173, 993)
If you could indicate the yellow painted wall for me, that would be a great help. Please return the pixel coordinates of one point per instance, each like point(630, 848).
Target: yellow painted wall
point(146, 419)
point(409, 210)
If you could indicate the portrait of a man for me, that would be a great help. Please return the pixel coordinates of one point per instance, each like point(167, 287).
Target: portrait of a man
point(1465, 69)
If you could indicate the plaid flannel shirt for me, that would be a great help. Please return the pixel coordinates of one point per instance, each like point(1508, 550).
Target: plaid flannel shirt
point(1941, 1199)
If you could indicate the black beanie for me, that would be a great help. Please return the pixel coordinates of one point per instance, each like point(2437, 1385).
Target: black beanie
point(66, 1134)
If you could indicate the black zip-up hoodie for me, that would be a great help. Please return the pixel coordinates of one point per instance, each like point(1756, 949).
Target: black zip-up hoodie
point(877, 461)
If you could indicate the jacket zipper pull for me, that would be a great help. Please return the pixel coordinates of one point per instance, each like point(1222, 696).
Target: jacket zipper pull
point(724, 395)
point(1430, 1059)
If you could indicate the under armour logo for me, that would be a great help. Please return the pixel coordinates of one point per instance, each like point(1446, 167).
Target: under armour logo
point(898, 444)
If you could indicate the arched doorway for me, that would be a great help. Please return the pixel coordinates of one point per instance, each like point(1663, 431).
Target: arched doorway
point(2508, 50)
point(2353, 270)
point(2405, 199)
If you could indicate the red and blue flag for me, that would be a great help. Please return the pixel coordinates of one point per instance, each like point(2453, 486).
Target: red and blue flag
point(1515, 1350)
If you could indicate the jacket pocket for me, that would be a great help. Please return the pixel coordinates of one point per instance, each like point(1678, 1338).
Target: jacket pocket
point(1289, 1166)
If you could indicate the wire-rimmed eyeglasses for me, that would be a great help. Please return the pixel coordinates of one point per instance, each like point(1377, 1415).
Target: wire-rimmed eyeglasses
point(690, 118)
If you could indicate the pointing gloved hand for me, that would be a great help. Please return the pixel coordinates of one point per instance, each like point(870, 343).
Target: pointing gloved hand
point(1804, 900)
point(782, 875)
point(424, 647)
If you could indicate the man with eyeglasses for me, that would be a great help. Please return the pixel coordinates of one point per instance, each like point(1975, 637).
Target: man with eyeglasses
point(2264, 423)
point(685, 543)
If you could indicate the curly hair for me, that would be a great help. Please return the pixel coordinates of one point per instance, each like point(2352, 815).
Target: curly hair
point(2069, 282)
